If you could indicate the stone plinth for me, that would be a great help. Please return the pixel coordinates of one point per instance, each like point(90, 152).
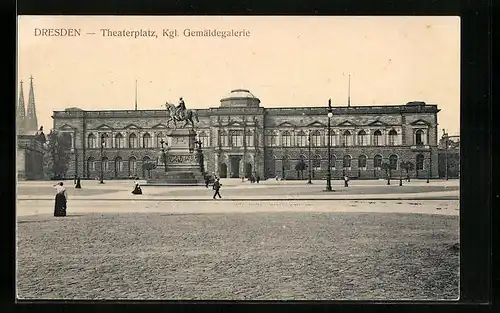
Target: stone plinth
point(183, 168)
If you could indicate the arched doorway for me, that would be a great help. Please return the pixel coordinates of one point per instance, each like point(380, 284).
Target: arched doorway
point(235, 166)
point(271, 167)
point(223, 170)
point(248, 170)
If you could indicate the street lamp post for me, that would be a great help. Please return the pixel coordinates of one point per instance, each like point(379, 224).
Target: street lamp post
point(400, 174)
point(163, 154)
point(101, 181)
point(445, 135)
point(309, 181)
point(329, 171)
point(429, 170)
point(200, 155)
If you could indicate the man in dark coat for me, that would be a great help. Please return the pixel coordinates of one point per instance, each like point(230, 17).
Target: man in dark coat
point(216, 188)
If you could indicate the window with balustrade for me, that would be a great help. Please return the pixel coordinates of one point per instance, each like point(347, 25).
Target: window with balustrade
point(132, 141)
point(249, 139)
point(91, 141)
point(223, 138)
point(272, 139)
point(377, 138)
point(347, 138)
point(316, 138)
point(159, 138)
point(204, 139)
point(362, 138)
point(105, 164)
point(419, 137)
point(392, 137)
point(302, 139)
point(119, 142)
point(147, 142)
point(286, 138)
point(236, 138)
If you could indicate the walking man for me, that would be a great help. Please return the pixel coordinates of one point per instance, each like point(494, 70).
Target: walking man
point(216, 187)
point(346, 181)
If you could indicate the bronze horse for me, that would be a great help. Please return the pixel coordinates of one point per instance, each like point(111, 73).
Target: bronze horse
point(189, 116)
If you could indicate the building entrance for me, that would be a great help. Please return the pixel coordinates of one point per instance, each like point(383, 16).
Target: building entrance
point(235, 166)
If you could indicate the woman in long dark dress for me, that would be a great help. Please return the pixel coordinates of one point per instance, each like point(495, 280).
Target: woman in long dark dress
point(61, 200)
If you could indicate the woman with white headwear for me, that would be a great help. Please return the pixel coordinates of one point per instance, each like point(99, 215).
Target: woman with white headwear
point(60, 200)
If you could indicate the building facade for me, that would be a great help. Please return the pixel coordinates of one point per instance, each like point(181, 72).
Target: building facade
point(240, 137)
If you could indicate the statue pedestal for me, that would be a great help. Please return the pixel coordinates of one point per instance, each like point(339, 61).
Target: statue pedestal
point(183, 168)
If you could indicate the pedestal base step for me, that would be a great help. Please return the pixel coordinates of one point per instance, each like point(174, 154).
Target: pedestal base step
point(177, 179)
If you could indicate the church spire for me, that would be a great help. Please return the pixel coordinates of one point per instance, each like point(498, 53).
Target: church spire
point(31, 120)
point(21, 111)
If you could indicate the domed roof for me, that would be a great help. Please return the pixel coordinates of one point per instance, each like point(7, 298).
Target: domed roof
point(239, 93)
point(240, 98)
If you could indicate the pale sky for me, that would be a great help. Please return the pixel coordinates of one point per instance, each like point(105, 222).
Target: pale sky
point(285, 62)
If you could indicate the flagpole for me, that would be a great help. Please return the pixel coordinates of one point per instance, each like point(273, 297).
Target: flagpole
point(136, 94)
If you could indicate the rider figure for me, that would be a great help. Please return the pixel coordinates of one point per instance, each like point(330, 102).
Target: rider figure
point(180, 109)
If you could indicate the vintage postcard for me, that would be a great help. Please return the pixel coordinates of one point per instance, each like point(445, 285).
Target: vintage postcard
point(238, 158)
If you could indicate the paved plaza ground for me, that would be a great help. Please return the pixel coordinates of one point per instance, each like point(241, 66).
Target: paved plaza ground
point(273, 240)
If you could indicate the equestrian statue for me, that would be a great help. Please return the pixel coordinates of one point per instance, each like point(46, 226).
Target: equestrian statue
point(179, 113)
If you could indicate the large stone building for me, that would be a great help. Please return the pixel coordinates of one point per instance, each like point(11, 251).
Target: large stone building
point(241, 137)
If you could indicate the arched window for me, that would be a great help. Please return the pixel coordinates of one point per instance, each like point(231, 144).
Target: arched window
point(316, 138)
point(159, 138)
point(377, 138)
point(70, 139)
point(333, 161)
point(236, 138)
point(286, 162)
point(105, 164)
point(377, 161)
point(119, 141)
point(132, 141)
point(301, 139)
point(118, 166)
point(302, 157)
point(347, 161)
point(362, 162)
point(91, 164)
point(272, 139)
point(147, 141)
point(205, 140)
point(91, 141)
point(393, 162)
point(286, 138)
point(316, 162)
point(346, 138)
point(132, 166)
point(333, 138)
point(145, 160)
point(362, 138)
point(223, 140)
point(108, 141)
point(419, 162)
point(419, 137)
point(249, 141)
point(392, 137)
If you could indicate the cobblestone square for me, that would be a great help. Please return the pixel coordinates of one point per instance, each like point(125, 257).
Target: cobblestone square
point(169, 246)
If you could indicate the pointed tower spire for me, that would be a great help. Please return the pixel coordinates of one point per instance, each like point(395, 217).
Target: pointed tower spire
point(21, 111)
point(31, 120)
